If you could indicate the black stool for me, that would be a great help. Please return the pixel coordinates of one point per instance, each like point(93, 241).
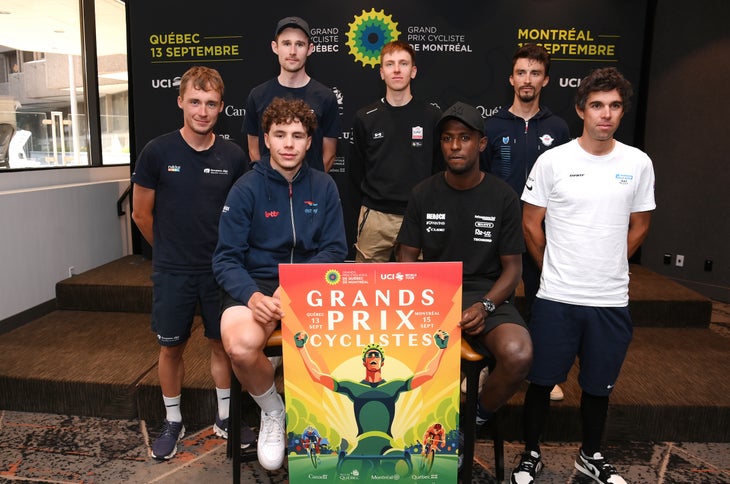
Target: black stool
point(472, 364)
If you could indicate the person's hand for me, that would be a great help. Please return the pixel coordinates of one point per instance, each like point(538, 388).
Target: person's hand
point(441, 338)
point(266, 310)
point(300, 339)
point(473, 318)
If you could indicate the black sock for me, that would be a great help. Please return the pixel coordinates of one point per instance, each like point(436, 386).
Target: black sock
point(535, 412)
point(593, 411)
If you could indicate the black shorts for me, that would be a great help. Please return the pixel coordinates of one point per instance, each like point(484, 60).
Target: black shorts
point(505, 313)
point(266, 286)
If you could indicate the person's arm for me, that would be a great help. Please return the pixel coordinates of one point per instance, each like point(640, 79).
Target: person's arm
point(143, 200)
point(329, 151)
point(532, 217)
point(229, 257)
point(317, 375)
point(253, 148)
point(406, 253)
point(638, 228)
point(441, 340)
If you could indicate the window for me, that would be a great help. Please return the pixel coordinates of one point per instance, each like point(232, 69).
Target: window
point(44, 111)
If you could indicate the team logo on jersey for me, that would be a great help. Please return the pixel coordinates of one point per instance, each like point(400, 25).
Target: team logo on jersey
point(417, 132)
point(215, 171)
point(378, 135)
point(174, 168)
point(271, 213)
point(505, 140)
point(310, 206)
point(546, 139)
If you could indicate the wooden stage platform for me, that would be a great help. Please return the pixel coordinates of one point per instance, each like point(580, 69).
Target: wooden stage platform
point(97, 356)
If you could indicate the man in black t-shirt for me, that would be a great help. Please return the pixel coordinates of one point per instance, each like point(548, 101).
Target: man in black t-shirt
point(464, 214)
point(393, 147)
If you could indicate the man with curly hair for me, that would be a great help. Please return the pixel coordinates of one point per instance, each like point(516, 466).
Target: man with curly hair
point(282, 211)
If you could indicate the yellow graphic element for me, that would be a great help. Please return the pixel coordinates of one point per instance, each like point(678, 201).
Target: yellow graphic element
point(373, 346)
point(332, 277)
point(368, 34)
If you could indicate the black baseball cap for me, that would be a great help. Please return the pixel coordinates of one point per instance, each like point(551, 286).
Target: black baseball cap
point(292, 22)
point(467, 114)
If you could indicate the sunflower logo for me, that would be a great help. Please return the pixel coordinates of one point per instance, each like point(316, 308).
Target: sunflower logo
point(368, 34)
point(332, 277)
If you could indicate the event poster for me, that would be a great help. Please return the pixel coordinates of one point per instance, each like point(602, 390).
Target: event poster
point(371, 370)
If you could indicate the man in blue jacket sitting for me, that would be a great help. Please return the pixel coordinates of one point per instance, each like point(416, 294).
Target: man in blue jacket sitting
point(282, 211)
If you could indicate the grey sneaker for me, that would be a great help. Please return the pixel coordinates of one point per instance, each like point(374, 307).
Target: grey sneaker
point(529, 467)
point(597, 468)
point(220, 428)
point(272, 438)
point(165, 446)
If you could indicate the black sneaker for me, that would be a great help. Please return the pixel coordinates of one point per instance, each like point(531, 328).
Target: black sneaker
point(482, 418)
point(529, 467)
point(248, 437)
point(165, 446)
point(597, 468)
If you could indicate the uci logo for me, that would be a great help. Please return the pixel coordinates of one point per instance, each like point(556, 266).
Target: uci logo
point(166, 83)
point(569, 81)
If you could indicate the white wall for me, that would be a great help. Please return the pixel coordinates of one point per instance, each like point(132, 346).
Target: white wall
point(52, 220)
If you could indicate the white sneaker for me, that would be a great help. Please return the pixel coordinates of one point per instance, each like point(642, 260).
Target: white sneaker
point(272, 438)
point(556, 394)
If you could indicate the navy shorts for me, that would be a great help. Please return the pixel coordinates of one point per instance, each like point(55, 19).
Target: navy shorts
point(598, 336)
point(505, 313)
point(175, 298)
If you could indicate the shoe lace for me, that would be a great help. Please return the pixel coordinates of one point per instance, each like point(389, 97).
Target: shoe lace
point(170, 429)
point(604, 468)
point(527, 463)
point(273, 427)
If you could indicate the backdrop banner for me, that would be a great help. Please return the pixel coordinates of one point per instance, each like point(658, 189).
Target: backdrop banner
point(463, 54)
point(371, 371)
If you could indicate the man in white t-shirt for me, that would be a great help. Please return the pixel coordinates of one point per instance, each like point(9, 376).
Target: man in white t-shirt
point(595, 196)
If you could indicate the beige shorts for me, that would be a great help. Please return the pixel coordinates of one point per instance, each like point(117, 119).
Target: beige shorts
point(376, 234)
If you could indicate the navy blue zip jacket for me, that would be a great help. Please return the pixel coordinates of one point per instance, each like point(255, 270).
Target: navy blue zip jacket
point(514, 144)
point(267, 221)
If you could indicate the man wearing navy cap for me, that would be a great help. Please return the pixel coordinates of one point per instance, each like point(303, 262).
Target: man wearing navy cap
point(464, 214)
point(293, 45)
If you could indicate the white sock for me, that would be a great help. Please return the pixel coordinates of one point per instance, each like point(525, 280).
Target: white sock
point(270, 401)
point(172, 408)
point(224, 401)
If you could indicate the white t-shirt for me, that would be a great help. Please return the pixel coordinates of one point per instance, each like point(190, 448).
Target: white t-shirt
point(589, 200)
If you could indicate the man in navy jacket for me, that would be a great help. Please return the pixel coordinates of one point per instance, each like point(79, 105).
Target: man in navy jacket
point(282, 211)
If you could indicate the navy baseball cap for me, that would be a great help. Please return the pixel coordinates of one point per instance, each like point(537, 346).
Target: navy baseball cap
point(467, 114)
point(292, 22)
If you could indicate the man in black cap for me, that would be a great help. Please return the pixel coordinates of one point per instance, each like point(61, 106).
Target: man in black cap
point(293, 45)
point(464, 214)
